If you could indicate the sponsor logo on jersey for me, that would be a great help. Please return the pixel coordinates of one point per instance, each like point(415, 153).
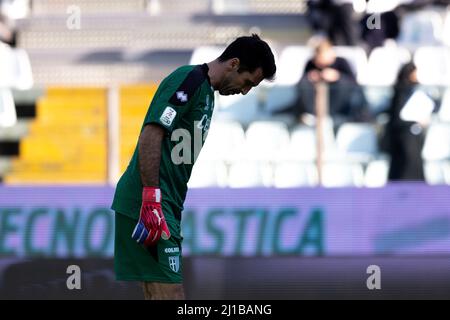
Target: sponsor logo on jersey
point(168, 116)
point(203, 121)
point(172, 250)
point(183, 97)
point(207, 102)
point(174, 263)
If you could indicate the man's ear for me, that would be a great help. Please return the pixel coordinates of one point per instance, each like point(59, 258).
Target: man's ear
point(234, 63)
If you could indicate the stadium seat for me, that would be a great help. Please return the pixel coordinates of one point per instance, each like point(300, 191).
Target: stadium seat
point(88, 6)
point(247, 174)
point(423, 27)
point(80, 93)
point(444, 110)
point(446, 30)
point(208, 173)
point(7, 62)
point(5, 165)
point(15, 132)
point(356, 57)
point(39, 178)
point(292, 63)
point(376, 174)
point(383, 65)
point(336, 174)
point(433, 65)
point(243, 109)
point(134, 101)
point(15, 68)
point(434, 172)
point(8, 116)
point(67, 142)
point(220, 7)
point(265, 139)
point(280, 96)
point(437, 142)
point(15, 9)
point(378, 98)
point(295, 174)
point(302, 145)
point(357, 142)
point(225, 140)
point(173, 7)
point(205, 54)
point(446, 165)
point(23, 76)
point(436, 152)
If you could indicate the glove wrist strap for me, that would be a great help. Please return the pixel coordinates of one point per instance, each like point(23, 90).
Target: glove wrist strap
point(151, 194)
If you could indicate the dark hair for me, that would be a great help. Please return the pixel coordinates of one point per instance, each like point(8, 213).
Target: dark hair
point(252, 53)
point(403, 75)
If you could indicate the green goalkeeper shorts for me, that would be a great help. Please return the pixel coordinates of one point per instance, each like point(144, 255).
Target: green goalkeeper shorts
point(133, 262)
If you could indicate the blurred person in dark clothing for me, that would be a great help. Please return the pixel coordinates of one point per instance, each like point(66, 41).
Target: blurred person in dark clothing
point(389, 29)
point(335, 19)
point(346, 99)
point(405, 132)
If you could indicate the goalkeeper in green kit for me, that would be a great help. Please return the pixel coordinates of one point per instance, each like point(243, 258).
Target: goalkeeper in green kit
point(149, 196)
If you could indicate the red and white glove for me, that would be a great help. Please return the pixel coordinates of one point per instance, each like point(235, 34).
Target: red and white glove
point(151, 225)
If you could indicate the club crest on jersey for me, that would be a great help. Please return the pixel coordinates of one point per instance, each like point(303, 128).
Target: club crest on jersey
point(183, 97)
point(174, 263)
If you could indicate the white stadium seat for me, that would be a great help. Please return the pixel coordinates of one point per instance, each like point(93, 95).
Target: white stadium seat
point(265, 139)
point(446, 30)
point(302, 146)
point(8, 116)
point(433, 65)
point(437, 142)
point(303, 143)
point(342, 175)
point(436, 153)
point(295, 174)
point(444, 110)
point(446, 166)
point(376, 174)
point(434, 172)
point(15, 68)
point(225, 139)
point(423, 27)
point(356, 57)
point(242, 108)
point(357, 141)
point(383, 65)
point(245, 174)
point(292, 63)
point(279, 97)
point(208, 173)
point(205, 54)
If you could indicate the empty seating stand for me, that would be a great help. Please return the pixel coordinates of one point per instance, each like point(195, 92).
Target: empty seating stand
point(134, 103)
point(67, 141)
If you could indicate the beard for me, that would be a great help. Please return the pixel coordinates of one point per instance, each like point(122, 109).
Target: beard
point(227, 88)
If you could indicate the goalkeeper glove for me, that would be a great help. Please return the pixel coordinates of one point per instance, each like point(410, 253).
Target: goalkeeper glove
point(151, 225)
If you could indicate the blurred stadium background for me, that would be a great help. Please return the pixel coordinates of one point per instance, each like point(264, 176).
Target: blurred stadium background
point(270, 215)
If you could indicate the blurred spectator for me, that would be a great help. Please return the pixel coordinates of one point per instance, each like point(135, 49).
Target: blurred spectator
point(410, 115)
point(346, 98)
point(7, 30)
point(335, 19)
point(389, 28)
